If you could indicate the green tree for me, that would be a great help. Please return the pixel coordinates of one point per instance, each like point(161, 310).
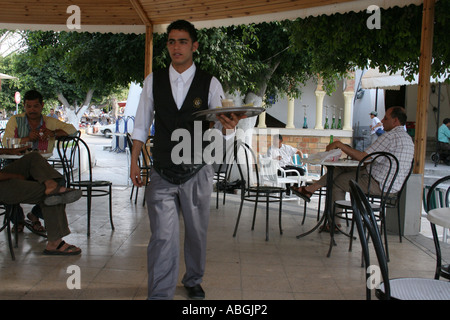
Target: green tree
point(77, 68)
point(338, 43)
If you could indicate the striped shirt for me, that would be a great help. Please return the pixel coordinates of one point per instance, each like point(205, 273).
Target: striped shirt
point(400, 144)
point(18, 127)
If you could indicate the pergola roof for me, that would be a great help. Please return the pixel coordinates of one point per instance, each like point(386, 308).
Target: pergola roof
point(133, 15)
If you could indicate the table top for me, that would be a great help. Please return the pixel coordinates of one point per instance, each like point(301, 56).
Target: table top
point(440, 217)
point(339, 163)
point(46, 155)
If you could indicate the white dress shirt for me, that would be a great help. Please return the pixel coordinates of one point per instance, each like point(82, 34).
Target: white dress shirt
point(180, 84)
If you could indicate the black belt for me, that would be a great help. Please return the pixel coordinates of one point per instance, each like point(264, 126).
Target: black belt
point(179, 174)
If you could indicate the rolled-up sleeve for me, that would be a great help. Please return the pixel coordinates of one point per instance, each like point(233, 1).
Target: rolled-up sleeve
point(144, 113)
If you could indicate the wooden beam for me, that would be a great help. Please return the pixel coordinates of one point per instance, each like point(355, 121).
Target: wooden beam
point(141, 12)
point(426, 49)
point(137, 5)
point(148, 49)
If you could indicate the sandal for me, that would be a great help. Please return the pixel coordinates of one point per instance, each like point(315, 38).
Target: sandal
point(20, 226)
point(36, 227)
point(56, 197)
point(302, 193)
point(69, 251)
point(35, 223)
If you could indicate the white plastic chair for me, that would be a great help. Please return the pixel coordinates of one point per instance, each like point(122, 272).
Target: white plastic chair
point(269, 169)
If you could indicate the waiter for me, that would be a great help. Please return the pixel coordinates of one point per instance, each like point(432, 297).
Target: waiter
point(170, 96)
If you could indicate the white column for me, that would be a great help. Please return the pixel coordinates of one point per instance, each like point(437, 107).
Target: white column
point(319, 108)
point(290, 114)
point(348, 106)
point(262, 120)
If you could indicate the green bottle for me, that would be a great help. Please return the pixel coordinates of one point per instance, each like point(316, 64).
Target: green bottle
point(331, 139)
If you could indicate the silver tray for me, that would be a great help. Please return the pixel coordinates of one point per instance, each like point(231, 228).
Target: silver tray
point(210, 114)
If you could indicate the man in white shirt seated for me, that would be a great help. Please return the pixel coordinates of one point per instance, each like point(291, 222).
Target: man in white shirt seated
point(284, 153)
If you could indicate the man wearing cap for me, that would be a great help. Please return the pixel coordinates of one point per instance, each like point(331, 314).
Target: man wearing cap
point(376, 127)
point(444, 135)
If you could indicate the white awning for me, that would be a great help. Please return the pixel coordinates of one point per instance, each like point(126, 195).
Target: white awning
point(374, 79)
point(5, 76)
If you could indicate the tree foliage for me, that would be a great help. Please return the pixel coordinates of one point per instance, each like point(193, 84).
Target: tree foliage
point(267, 59)
point(338, 43)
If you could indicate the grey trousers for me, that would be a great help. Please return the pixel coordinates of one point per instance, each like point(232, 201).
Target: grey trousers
point(165, 201)
point(36, 170)
point(342, 177)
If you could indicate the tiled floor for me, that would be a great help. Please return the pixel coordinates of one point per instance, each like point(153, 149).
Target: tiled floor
point(113, 263)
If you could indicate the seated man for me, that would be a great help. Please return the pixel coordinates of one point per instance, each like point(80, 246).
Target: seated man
point(31, 179)
point(444, 135)
point(32, 126)
point(284, 154)
point(396, 141)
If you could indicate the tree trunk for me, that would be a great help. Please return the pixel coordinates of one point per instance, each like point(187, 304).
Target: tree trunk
point(74, 115)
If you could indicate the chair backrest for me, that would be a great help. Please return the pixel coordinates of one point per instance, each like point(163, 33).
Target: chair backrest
point(390, 172)
point(367, 227)
point(2, 131)
point(268, 170)
point(76, 159)
point(145, 159)
point(247, 165)
point(438, 195)
point(297, 161)
point(145, 152)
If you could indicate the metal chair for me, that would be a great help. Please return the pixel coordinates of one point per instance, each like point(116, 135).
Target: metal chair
point(77, 166)
point(7, 211)
point(385, 186)
point(222, 173)
point(145, 165)
point(393, 201)
point(438, 213)
point(246, 162)
point(399, 288)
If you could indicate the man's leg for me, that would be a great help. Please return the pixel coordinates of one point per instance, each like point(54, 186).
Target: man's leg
point(32, 192)
point(163, 248)
point(33, 165)
point(195, 200)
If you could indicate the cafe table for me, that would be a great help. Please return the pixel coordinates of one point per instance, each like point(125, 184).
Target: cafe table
point(327, 214)
point(46, 155)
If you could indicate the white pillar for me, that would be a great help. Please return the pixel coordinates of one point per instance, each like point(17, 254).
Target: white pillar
point(319, 108)
point(348, 106)
point(262, 120)
point(290, 114)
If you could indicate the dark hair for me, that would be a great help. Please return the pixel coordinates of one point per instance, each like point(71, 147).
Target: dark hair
point(399, 113)
point(446, 120)
point(33, 95)
point(185, 26)
point(278, 136)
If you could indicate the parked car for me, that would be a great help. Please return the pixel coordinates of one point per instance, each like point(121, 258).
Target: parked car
point(108, 129)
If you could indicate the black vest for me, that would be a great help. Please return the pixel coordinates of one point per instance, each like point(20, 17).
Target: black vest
point(168, 118)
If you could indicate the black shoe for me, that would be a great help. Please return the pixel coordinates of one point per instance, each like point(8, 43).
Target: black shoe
point(196, 292)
